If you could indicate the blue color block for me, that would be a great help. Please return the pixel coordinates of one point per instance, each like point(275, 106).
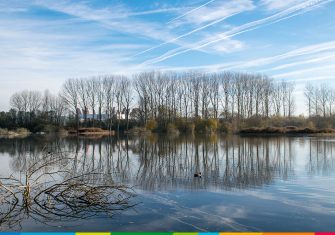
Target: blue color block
point(44, 233)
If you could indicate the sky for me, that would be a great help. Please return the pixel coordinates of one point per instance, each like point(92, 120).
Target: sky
point(45, 42)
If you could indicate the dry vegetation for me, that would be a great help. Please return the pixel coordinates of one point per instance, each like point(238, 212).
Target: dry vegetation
point(47, 192)
point(91, 131)
point(285, 130)
point(19, 132)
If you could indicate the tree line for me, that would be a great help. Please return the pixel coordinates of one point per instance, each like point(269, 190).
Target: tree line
point(158, 99)
point(320, 100)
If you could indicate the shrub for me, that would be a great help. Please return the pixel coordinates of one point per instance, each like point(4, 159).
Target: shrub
point(190, 127)
point(253, 121)
point(172, 129)
point(206, 126)
point(225, 127)
point(212, 124)
point(184, 126)
point(49, 128)
point(151, 125)
point(21, 130)
point(138, 131)
point(3, 131)
point(90, 129)
point(310, 124)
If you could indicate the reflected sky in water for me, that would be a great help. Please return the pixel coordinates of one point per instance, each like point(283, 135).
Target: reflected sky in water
point(247, 184)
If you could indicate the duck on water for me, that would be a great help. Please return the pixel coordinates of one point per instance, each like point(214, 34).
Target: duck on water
point(197, 174)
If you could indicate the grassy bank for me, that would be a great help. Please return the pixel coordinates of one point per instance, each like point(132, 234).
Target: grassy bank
point(290, 130)
point(91, 131)
point(19, 132)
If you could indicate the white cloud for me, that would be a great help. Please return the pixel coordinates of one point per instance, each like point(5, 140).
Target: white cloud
point(118, 19)
point(12, 9)
point(311, 55)
point(228, 46)
point(114, 18)
point(315, 59)
point(190, 11)
point(220, 9)
point(279, 4)
point(282, 15)
point(302, 73)
point(220, 20)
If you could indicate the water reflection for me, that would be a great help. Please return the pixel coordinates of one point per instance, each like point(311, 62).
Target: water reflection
point(45, 188)
point(57, 180)
point(160, 163)
point(321, 157)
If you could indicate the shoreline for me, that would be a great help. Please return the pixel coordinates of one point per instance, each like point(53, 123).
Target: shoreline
point(247, 132)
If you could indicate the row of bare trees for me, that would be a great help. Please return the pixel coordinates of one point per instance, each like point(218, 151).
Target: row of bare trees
point(108, 96)
point(320, 100)
point(211, 95)
point(162, 96)
point(29, 104)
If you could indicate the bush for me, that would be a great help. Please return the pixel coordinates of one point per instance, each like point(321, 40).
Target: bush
point(212, 124)
point(3, 131)
point(190, 127)
point(310, 124)
point(138, 131)
point(151, 125)
point(185, 126)
point(225, 127)
point(90, 129)
point(253, 121)
point(22, 130)
point(172, 129)
point(206, 126)
point(49, 128)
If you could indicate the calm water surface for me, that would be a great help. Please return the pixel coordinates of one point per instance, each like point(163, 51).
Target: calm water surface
point(148, 184)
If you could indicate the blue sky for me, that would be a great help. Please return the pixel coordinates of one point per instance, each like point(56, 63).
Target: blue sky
point(43, 43)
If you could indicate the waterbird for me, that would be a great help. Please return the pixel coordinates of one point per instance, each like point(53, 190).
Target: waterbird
point(197, 174)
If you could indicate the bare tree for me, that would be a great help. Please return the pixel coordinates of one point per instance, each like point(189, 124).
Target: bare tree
point(126, 89)
point(109, 92)
point(71, 97)
point(92, 87)
point(309, 96)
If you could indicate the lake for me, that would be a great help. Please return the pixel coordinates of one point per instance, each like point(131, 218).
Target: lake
point(148, 184)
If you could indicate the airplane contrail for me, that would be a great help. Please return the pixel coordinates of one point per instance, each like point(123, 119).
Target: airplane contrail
point(186, 34)
point(189, 12)
point(285, 14)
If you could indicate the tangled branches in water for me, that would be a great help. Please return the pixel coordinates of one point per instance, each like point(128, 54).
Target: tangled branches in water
point(49, 191)
point(76, 199)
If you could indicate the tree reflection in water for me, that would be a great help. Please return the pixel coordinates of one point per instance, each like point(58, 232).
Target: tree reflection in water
point(62, 178)
point(47, 190)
